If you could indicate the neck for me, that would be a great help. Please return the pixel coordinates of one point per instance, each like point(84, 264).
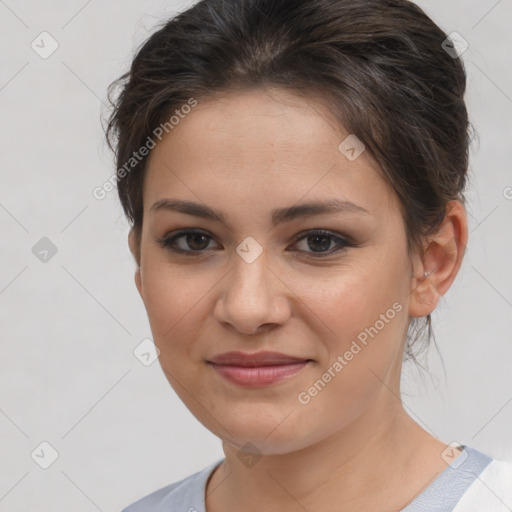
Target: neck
point(353, 469)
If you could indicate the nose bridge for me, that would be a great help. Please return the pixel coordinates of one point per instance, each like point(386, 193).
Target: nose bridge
point(250, 281)
point(250, 297)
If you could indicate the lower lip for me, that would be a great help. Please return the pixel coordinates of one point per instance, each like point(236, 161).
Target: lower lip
point(260, 375)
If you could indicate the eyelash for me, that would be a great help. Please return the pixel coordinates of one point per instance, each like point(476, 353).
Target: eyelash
point(167, 241)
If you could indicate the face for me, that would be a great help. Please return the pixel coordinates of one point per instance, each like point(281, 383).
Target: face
point(330, 288)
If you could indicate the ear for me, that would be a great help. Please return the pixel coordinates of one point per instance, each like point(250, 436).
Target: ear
point(134, 244)
point(441, 259)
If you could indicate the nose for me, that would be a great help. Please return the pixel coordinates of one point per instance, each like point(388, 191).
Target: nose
point(253, 298)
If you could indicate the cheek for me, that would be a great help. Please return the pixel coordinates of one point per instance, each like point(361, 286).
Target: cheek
point(175, 298)
point(354, 298)
point(366, 313)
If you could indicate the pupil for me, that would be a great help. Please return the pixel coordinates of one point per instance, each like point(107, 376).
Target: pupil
point(321, 237)
point(195, 237)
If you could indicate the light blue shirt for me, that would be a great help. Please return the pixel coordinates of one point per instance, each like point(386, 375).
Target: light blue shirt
point(441, 495)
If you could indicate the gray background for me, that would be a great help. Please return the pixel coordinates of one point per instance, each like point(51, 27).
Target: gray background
point(69, 325)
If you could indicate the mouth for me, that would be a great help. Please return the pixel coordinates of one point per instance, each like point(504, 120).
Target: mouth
point(259, 369)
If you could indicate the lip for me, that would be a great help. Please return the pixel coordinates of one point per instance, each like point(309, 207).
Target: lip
point(258, 369)
point(255, 359)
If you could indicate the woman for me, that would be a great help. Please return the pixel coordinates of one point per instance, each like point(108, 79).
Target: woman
point(246, 133)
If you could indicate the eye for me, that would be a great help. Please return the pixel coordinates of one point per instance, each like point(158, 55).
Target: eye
point(320, 240)
point(193, 239)
point(197, 241)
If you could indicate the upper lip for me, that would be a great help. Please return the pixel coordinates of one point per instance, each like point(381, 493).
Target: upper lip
point(255, 359)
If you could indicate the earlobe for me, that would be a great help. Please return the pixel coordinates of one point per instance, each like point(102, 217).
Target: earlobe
point(436, 270)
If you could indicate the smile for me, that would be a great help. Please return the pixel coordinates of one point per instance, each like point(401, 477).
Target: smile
point(258, 376)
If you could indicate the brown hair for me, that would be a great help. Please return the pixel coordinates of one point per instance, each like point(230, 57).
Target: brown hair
point(379, 64)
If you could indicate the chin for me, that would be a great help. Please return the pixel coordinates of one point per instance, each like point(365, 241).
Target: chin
point(260, 436)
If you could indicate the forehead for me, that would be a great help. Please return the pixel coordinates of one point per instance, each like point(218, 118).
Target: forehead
point(271, 145)
point(256, 121)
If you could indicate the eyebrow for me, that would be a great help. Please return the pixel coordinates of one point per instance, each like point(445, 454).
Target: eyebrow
point(279, 216)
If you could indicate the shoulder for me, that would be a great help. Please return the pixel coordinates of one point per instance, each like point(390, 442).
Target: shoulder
point(185, 495)
point(491, 491)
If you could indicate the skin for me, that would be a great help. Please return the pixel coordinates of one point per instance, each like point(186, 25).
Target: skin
point(353, 446)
